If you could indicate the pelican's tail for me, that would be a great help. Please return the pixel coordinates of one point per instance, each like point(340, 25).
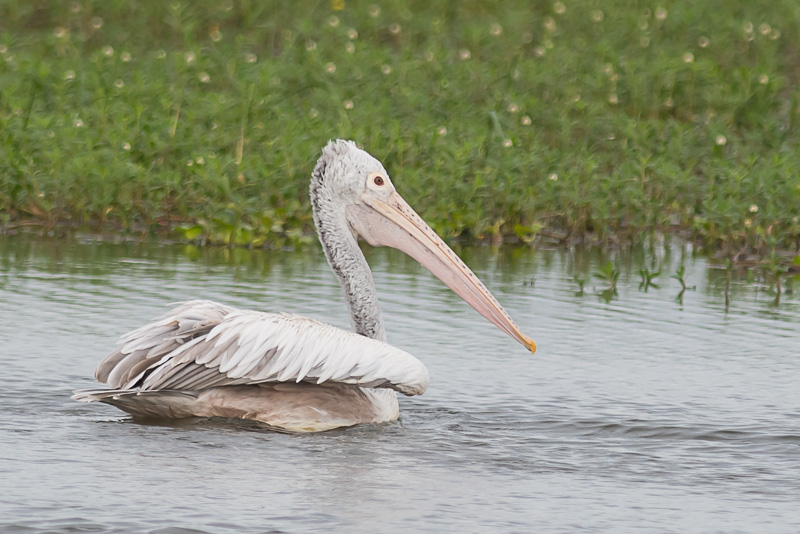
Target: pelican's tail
point(146, 404)
point(96, 395)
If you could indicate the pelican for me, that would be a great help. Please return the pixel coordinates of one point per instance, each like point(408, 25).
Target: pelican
point(204, 359)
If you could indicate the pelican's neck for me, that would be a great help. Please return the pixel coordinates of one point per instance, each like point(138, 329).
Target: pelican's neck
point(350, 266)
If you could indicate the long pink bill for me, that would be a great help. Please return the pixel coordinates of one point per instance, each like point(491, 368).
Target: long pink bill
point(393, 223)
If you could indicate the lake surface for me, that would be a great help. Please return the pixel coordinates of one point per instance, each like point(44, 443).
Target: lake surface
point(641, 414)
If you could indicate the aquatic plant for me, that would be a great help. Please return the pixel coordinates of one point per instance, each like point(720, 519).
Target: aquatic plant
point(774, 271)
point(611, 275)
point(524, 124)
point(647, 279)
point(680, 276)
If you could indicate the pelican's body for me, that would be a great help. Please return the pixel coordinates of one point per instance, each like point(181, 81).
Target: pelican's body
point(204, 359)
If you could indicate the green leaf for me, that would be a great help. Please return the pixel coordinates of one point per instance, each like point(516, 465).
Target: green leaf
point(243, 236)
point(192, 232)
point(521, 231)
point(527, 233)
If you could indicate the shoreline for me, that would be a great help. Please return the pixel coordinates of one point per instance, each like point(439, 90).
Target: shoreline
point(741, 258)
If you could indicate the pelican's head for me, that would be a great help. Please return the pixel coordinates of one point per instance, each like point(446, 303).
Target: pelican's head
point(349, 183)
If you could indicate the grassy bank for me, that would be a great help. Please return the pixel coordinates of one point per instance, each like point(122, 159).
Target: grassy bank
point(528, 120)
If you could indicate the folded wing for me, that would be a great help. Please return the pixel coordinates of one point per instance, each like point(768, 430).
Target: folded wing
point(203, 344)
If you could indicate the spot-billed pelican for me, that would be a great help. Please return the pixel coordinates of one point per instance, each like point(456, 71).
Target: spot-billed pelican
point(204, 359)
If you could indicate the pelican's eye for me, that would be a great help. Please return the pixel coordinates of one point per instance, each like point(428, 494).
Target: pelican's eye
point(377, 180)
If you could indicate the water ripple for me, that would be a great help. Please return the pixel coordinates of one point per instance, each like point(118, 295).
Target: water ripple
point(641, 414)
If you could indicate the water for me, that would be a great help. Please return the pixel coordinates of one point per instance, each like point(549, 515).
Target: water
point(642, 414)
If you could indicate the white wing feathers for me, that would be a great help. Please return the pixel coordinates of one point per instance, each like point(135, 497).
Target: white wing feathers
point(202, 344)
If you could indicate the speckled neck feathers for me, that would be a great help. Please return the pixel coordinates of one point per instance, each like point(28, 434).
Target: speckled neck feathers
point(329, 199)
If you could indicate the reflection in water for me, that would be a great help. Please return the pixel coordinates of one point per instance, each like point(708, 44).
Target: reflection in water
point(643, 413)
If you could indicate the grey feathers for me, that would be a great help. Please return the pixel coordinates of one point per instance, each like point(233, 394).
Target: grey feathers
point(333, 188)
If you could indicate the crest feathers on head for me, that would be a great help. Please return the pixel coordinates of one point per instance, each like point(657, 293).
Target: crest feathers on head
point(332, 150)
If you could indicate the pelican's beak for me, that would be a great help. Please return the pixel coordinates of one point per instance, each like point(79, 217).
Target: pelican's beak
point(393, 223)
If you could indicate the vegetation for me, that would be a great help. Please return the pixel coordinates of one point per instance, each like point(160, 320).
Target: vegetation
point(558, 121)
point(647, 279)
point(609, 274)
point(680, 276)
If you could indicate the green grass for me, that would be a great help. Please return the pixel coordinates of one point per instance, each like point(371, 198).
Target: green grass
point(527, 120)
